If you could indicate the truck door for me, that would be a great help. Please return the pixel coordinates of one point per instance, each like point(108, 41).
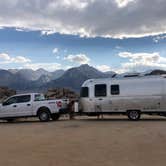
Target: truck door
point(23, 105)
point(8, 108)
point(102, 101)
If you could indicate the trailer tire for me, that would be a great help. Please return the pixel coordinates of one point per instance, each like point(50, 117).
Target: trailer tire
point(44, 115)
point(10, 120)
point(134, 115)
point(55, 117)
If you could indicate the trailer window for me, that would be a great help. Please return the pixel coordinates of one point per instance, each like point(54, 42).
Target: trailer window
point(115, 90)
point(84, 92)
point(100, 90)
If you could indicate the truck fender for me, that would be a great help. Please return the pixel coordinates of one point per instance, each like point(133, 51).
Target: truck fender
point(43, 108)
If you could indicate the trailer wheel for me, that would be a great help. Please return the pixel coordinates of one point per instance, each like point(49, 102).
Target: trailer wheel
point(55, 117)
point(10, 120)
point(44, 116)
point(134, 115)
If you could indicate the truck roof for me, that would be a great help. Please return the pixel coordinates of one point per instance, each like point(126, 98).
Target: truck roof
point(22, 94)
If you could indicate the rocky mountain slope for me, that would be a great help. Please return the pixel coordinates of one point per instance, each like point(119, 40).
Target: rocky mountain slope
point(74, 77)
point(5, 93)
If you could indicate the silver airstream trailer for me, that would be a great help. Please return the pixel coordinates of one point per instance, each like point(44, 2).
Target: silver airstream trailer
point(128, 96)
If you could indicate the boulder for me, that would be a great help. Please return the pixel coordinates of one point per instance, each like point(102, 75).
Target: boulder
point(5, 92)
point(61, 93)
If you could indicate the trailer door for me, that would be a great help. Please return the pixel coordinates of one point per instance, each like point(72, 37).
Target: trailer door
point(102, 103)
point(86, 101)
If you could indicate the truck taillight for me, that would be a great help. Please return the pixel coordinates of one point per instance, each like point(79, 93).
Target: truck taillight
point(59, 104)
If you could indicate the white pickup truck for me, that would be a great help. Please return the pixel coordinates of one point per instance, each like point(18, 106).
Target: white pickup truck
point(32, 105)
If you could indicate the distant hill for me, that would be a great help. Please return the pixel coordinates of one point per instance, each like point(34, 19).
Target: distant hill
point(6, 77)
point(156, 72)
point(33, 75)
point(56, 74)
point(28, 74)
point(27, 79)
point(74, 77)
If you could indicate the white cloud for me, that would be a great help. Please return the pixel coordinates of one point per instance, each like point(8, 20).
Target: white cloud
point(68, 67)
point(46, 66)
point(8, 59)
point(4, 56)
point(106, 18)
point(123, 3)
point(78, 58)
point(78, 4)
point(103, 68)
point(158, 38)
point(142, 62)
point(55, 50)
point(141, 58)
point(20, 59)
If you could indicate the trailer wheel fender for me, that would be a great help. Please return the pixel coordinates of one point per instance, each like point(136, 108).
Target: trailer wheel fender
point(134, 114)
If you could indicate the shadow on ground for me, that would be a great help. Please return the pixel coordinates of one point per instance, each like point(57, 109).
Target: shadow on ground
point(86, 119)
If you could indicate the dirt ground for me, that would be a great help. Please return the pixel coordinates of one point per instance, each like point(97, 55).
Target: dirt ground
point(113, 141)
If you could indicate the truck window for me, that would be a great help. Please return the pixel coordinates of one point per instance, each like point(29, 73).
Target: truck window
point(23, 99)
point(100, 90)
point(115, 90)
point(84, 92)
point(11, 100)
point(39, 97)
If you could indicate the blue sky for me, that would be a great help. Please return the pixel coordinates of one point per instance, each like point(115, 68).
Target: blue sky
point(63, 35)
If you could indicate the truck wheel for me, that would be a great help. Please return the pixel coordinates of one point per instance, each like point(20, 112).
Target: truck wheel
point(134, 115)
point(55, 116)
point(44, 116)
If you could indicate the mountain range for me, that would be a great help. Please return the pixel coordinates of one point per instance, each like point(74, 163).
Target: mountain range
point(27, 80)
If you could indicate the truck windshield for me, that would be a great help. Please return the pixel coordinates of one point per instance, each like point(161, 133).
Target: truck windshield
point(39, 97)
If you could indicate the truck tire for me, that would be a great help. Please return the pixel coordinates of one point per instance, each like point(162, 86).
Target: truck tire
point(44, 116)
point(55, 117)
point(134, 115)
